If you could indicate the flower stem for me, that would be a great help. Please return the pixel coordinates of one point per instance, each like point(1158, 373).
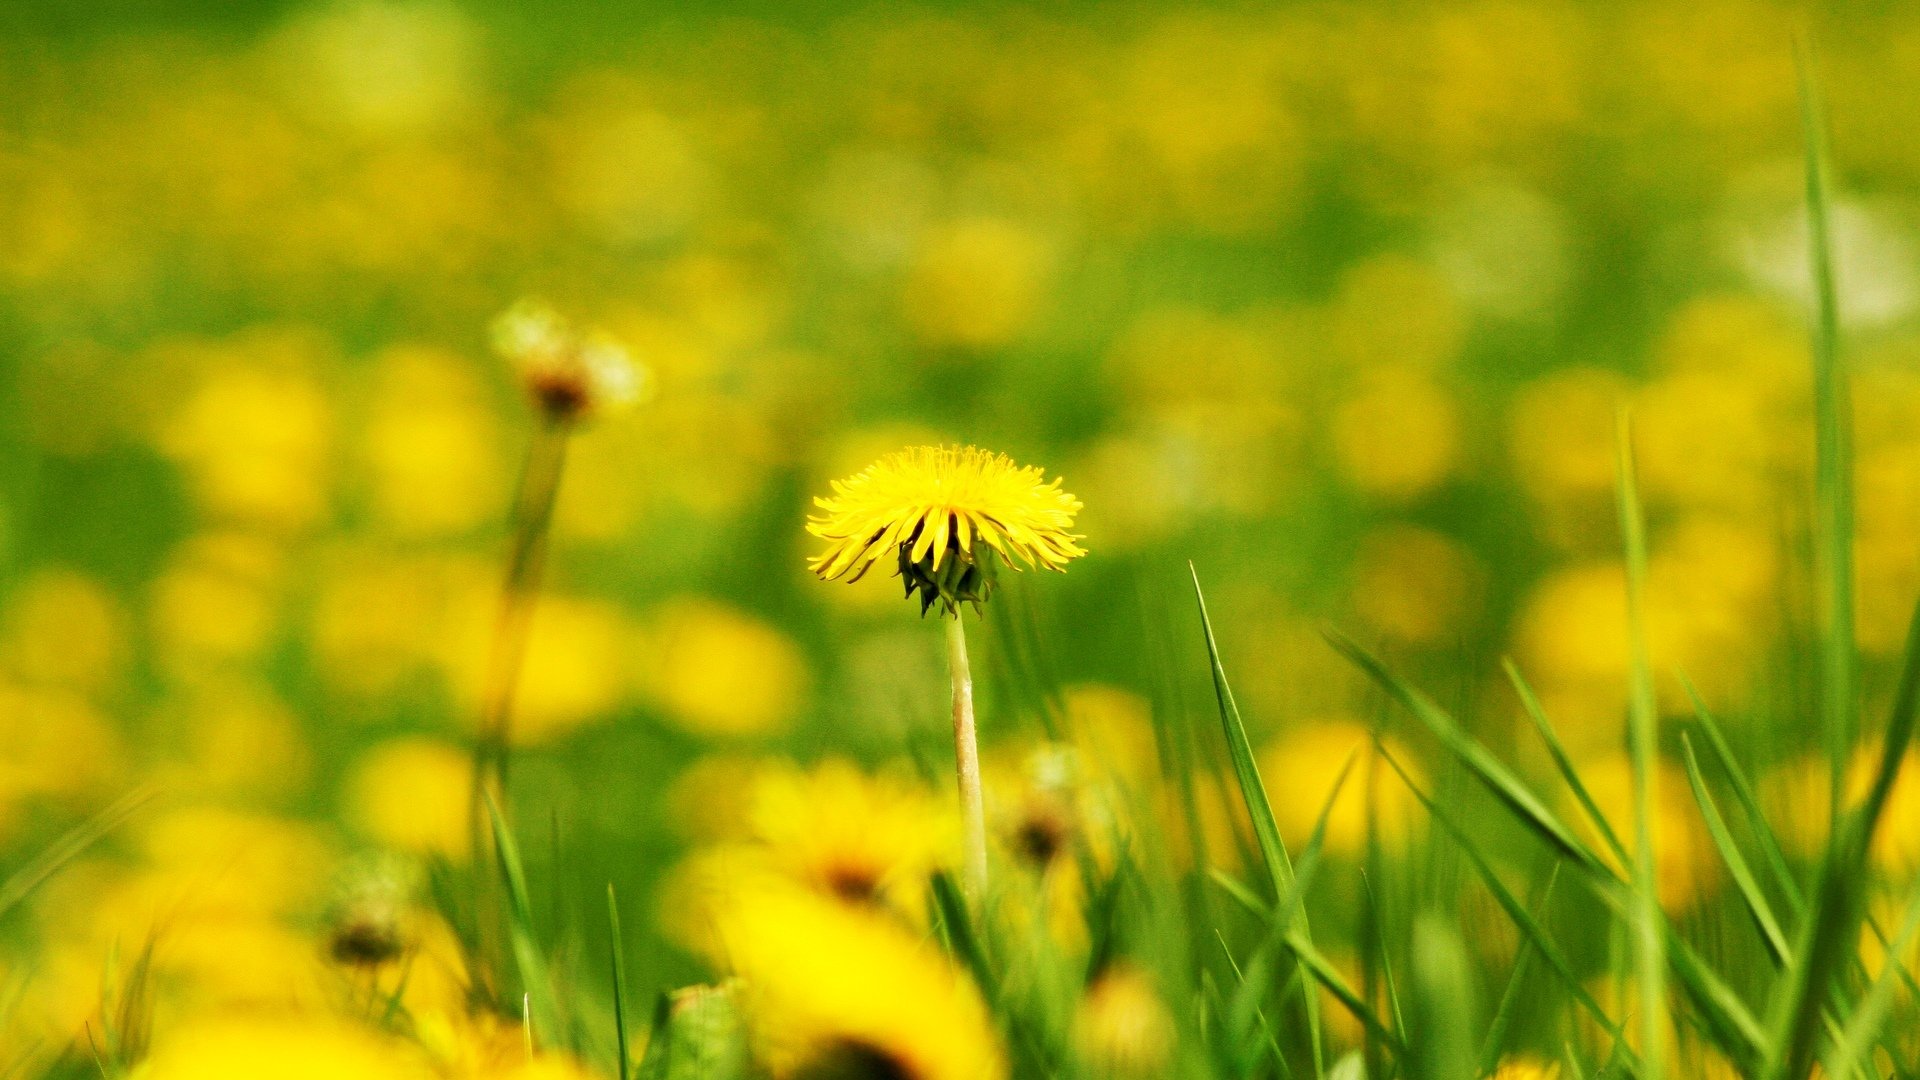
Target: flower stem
point(513, 624)
point(966, 751)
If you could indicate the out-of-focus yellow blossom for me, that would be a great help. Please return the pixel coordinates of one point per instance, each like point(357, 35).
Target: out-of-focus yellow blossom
point(1112, 730)
point(234, 735)
point(1710, 599)
point(54, 744)
point(832, 990)
point(977, 283)
point(846, 834)
point(1122, 1026)
point(61, 628)
point(1398, 434)
point(290, 1048)
point(575, 670)
point(217, 895)
point(413, 794)
point(381, 622)
point(869, 840)
point(256, 439)
point(1686, 865)
point(431, 446)
point(381, 67)
point(622, 169)
point(1562, 437)
point(1394, 310)
point(1300, 767)
point(716, 670)
point(712, 799)
point(1726, 426)
point(1415, 586)
point(1800, 792)
point(1215, 422)
point(217, 601)
point(1199, 118)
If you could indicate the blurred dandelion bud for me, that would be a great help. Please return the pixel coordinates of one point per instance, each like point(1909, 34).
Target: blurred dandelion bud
point(944, 512)
point(569, 374)
point(1122, 1028)
point(370, 922)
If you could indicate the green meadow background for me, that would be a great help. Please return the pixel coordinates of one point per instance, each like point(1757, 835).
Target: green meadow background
point(1337, 300)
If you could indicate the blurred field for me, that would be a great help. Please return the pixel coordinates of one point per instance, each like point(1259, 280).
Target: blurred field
point(1336, 300)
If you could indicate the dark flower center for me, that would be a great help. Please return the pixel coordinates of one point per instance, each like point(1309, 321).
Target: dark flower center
point(853, 1059)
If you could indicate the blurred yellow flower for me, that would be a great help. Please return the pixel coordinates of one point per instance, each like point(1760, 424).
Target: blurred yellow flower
point(413, 794)
point(256, 440)
point(1686, 865)
point(860, 838)
point(831, 990)
point(217, 601)
point(719, 671)
point(575, 669)
point(976, 283)
point(61, 628)
point(1122, 1026)
point(1416, 586)
point(431, 446)
point(1398, 434)
point(287, 1048)
point(932, 504)
point(1562, 441)
point(1299, 769)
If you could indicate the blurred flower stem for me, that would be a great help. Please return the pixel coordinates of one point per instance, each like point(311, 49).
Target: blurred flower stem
point(526, 559)
point(966, 751)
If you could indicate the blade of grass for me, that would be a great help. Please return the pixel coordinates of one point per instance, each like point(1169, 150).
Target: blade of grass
point(1477, 759)
point(1530, 704)
point(1253, 792)
point(617, 955)
point(70, 845)
point(1756, 901)
point(1649, 921)
point(1831, 928)
point(1441, 1038)
point(1530, 928)
point(542, 1006)
point(1743, 792)
point(1495, 1043)
point(1856, 1042)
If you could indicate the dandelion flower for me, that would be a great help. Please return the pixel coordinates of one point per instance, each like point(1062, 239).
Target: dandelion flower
point(567, 373)
point(941, 511)
point(835, 991)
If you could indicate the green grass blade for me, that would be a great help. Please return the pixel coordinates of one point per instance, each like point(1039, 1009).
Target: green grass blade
point(1648, 922)
point(1477, 758)
point(1530, 704)
point(1870, 1018)
point(1744, 794)
point(542, 1004)
point(1833, 437)
point(1253, 792)
point(1495, 1043)
point(1530, 928)
point(1441, 1040)
point(1750, 894)
point(617, 956)
point(70, 845)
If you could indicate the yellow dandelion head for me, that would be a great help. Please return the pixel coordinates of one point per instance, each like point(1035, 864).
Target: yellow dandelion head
point(944, 511)
point(832, 990)
point(569, 374)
